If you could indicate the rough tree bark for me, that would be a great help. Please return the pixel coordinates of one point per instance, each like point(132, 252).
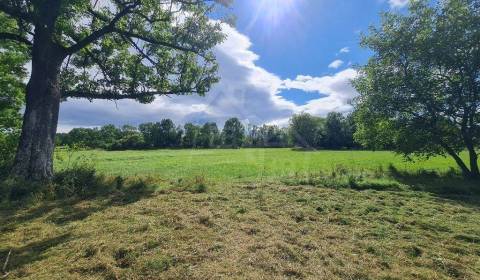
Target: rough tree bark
point(35, 151)
point(34, 158)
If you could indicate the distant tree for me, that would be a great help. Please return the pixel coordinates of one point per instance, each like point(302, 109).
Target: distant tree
point(306, 130)
point(148, 132)
point(107, 135)
point(110, 49)
point(421, 89)
point(61, 139)
point(233, 133)
point(209, 135)
point(165, 134)
point(253, 138)
point(129, 139)
point(350, 127)
point(191, 138)
point(179, 137)
point(272, 136)
point(335, 131)
point(82, 136)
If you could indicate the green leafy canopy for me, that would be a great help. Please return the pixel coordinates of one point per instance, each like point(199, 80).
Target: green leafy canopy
point(117, 49)
point(420, 92)
point(12, 74)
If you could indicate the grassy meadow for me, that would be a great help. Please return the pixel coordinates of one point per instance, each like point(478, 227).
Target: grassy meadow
point(243, 164)
point(248, 214)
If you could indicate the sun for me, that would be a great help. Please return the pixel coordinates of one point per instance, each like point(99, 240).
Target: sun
point(273, 13)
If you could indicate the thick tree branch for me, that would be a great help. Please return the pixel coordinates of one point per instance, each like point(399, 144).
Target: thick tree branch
point(15, 37)
point(457, 158)
point(113, 95)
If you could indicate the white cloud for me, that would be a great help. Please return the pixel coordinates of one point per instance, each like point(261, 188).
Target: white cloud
point(337, 88)
point(398, 3)
point(246, 91)
point(345, 50)
point(335, 64)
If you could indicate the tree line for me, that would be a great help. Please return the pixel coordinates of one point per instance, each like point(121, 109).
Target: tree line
point(306, 131)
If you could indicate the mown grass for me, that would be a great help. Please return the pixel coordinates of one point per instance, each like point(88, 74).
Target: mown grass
point(244, 164)
point(331, 223)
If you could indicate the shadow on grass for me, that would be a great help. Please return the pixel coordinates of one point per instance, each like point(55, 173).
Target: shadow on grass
point(450, 185)
point(53, 205)
point(63, 204)
point(31, 252)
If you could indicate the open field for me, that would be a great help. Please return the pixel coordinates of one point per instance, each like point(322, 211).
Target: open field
point(253, 214)
point(244, 164)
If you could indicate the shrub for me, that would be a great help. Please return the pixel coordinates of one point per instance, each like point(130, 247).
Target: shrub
point(8, 145)
point(16, 189)
point(80, 180)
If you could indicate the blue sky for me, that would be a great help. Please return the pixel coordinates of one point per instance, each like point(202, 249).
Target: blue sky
point(306, 36)
point(310, 38)
point(282, 57)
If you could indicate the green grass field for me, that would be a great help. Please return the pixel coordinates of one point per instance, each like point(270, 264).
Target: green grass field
point(248, 214)
point(244, 164)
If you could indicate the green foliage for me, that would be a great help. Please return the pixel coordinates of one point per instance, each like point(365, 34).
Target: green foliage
point(267, 136)
point(191, 138)
point(137, 49)
point(8, 145)
point(12, 74)
point(233, 133)
point(106, 50)
point(306, 130)
point(210, 136)
point(419, 91)
point(333, 132)
point(79, 180)
point(130, 138)
point(338, 131)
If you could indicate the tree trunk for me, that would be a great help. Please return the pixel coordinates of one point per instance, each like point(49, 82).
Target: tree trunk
point(465, 171)
point(468, 140)
point(34, 158)
point(474, 170)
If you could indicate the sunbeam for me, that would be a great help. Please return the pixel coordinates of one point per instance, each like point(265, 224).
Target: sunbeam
point(274, 13)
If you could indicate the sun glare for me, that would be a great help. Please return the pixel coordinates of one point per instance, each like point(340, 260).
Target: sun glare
point(273, 13)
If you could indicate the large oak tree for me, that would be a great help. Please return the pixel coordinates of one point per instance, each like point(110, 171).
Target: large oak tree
point(420, 92)
point(105, 49)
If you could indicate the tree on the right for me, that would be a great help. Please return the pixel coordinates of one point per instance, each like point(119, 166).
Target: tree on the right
point(420, 91)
